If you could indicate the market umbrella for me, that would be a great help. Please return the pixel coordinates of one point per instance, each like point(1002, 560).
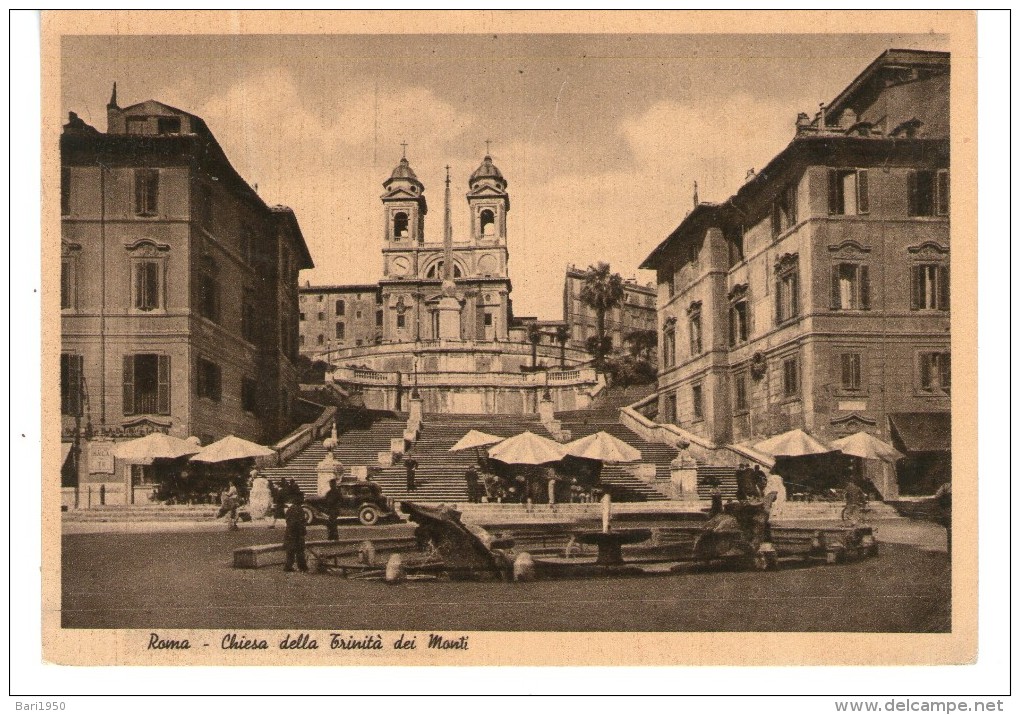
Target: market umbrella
point(231, 447)
point(867, 446)
point(155, 445)
point(603, 447)
point(527, 448)
point(475, 439)
point(795, 443)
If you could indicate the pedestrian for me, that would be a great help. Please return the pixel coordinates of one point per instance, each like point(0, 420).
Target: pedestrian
point(332, 501)
point(228, 506)
point(294, 537)
point(471, 477)
point(774, 485)
point(760, 480)
point(411, 466)
point(855, 501)
point(293, 490)
point(279, 492)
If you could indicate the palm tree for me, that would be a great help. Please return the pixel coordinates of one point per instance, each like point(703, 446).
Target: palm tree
point(534, 337)
point(602, 291)
point(562, 336)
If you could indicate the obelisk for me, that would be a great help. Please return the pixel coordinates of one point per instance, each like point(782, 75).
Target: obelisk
point(449, 306)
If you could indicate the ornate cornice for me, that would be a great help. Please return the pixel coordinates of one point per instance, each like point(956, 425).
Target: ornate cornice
point(928, 248)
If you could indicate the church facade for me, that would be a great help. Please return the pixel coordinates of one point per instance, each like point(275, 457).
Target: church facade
point(414, 267)
point(445, 333)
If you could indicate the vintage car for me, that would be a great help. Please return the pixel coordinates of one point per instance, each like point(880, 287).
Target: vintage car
point(360, 499)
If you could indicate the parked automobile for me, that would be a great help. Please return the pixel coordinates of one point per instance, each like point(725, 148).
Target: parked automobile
point(363, 500)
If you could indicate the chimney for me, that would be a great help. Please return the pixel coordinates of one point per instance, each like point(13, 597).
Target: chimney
point(113, 113)
point(696, 202)
point(750, 175)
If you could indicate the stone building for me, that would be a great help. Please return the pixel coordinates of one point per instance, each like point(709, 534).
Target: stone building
point(817, 296)
point(635, 313)
point(338, 316)
point(178, 291)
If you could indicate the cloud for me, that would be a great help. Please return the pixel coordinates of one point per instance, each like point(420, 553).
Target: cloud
point(570, 204)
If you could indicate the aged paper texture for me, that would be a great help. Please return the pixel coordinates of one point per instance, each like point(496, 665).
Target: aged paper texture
point(731, 445)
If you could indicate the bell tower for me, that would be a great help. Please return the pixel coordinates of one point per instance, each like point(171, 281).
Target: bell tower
point(488, 202)
point(404, 207)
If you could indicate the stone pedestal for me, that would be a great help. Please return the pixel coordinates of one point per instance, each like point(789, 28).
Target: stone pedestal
point(449, 313)
point(546, 411)
point(414, 410)
point(329, 468)
point(683, 474)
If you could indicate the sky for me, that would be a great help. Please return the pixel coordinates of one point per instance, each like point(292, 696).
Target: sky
point(600, 137)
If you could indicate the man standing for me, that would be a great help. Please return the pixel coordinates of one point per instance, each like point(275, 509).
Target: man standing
point(411, 465)
point(471, 477)
point(294, 537)
point(332, 510)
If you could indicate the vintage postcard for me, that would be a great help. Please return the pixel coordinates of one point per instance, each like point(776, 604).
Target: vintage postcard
point(509, 338)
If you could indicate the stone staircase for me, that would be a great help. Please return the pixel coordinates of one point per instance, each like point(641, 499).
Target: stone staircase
point(356, 447)
point(440, 474)
point(623, 485)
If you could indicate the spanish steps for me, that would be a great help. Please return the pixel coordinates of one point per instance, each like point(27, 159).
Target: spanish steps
point(440, 473)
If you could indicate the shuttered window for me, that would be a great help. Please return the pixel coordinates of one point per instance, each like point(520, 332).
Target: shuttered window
point(848, 192)
point(146, 384)
point(929, 287)
point(71, 384)
point(851, 288)
point(146, 192)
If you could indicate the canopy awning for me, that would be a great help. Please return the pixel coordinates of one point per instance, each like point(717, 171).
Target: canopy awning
point(867, 446)
point(154, 446)
point(475, 439)
point(921, 431)
point(231, 447)
point(603, 447)
point(527, 448)
point(795, 443)
point(65, 449)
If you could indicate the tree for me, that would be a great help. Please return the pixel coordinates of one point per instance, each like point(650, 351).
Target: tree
point(602, 291)
point(642, 342)
point(562, 336)
point(534, 337)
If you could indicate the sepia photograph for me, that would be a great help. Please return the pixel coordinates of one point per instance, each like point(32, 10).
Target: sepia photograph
point(408, 341)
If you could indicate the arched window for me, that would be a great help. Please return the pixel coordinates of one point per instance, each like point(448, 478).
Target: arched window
point(320, 339)
point(400, 225)
point(487, 222)
point(436, 270)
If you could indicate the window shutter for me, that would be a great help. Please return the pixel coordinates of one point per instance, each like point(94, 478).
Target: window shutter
point(794, 298)
point(791, 203)
point(152, 192)
point(152, 285)
point(834, 191)
point(129, 384)
point(835, 304)
point(915, 287)
point(865, 287)
point(912, 193)
point(779, 301)
point(926, 371)
point(943, 193)
point(139, 192)
point(163, 387)
point(943, 288)
point(945, 371)
point(863, 204)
